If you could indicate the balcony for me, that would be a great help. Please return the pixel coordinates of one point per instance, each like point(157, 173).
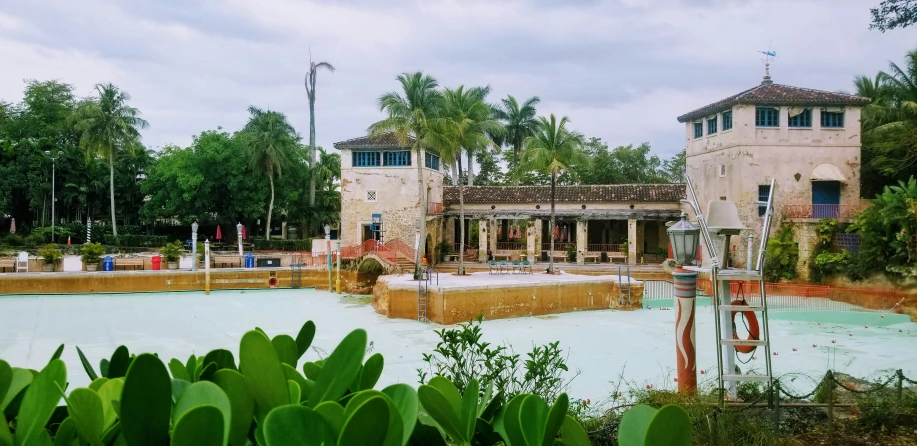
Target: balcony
point(842, 212)
point(434, 208)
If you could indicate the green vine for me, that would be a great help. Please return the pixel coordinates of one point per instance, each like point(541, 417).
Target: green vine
point(782, 254)
point(824, 262)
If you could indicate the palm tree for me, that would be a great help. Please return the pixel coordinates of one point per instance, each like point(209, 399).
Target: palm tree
point(412, 114)
point(108, 125)
point(553, 148)
point(520, 123)
point(310, 91)
point(467, 123)
point(270, 142)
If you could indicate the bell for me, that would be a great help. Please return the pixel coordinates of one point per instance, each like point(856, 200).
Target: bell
point(723, 218)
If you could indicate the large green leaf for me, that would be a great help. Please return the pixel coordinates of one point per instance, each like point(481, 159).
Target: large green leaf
point(204, 393)
point(6, 438)
point(85, 408)
point(425, 435)
point(508, 421)
point(110, 394)
point(295, 425)
point(86, 365)
point(146, 402)
point(405, 401)
point(6, 378)
point(333, 413)
point(371, 372)
point(120, 361)
point(241, 403)
point(304, 386)
point(532, 417)
point(555, 419)
point(65, 435)
point(263, 373)
point(222, 358)
point(469, 413)
point(394, 432)
point(295, 391)
point(442, 402)
point(39, 402)
point(286, 349)
point(634, 425)
point(312, 370)
point(304, 338)
point(339, 369)
point(19, 380)
point(199, 426)
point(179, 371)
point(97, 383)
point(671, 426)
point(573, 433)
point(367, 425)
point(178, 386)
point(57, 353)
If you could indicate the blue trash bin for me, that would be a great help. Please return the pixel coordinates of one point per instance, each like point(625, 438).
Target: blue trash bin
point(108, 264)
point(249, 260)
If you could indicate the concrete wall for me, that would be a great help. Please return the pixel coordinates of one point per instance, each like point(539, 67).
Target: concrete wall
point(754, 155)
point(397, 198)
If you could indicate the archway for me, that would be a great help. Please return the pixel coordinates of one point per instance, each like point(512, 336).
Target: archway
point(367, 273)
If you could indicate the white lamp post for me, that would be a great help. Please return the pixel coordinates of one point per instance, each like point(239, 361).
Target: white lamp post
point(239, 233)
point(194, 227)
point(328, 251)
point(684, 236)
point(53, 188)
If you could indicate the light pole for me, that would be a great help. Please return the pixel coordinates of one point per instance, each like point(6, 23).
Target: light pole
point(239, 233)
point(53, 188)
point(194, 227)
point(328, 247)
point(683, 236)
point(339, 264)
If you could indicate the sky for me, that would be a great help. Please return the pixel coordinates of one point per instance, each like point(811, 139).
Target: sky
point(620, 70)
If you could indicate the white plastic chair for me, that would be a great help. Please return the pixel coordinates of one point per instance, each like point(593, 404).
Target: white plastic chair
point(22, 262)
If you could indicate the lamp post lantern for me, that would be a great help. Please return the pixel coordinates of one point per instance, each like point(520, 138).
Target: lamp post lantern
point(194, 227)
point(239, 234)
point(328, 252)
point(53, 188)
point(684, 237)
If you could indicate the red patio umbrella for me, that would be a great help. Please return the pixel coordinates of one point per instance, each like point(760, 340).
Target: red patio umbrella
point(219, 233)
point(556, 232)
point(244, 236)
point(13, 226)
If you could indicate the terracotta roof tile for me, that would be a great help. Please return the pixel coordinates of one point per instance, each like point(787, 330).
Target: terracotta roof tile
point(604, 193)
point(386, 140)
point(776, 94)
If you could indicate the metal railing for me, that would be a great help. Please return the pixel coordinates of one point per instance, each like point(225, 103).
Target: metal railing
point(658, 289)
point(511, 246)
point(836, 211)
point(798, 297)
point(603, 247)
point(558, 246)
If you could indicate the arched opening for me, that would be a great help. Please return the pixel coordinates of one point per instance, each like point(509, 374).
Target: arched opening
point(367, 273)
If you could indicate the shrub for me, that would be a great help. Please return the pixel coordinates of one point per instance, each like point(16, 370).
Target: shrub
point(91, 253)
point(136, 241)
point(264, 399)
point(52, 255)
point(888, 233)
point(35, 239)
point(283, 245)
point(462, 356)
point(172, 251)
point(13, 240)
point(782, 256)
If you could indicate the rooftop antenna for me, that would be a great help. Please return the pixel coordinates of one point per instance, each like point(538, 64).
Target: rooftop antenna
point(769, 56)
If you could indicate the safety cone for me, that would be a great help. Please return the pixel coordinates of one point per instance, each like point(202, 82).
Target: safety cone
point(68, 239)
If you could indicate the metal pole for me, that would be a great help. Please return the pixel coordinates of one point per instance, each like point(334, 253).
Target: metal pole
point(748, 264)
point(206, 266)
point(194, 251)
point(53, 198)
point(328, 240)
point(339, 267)
point(685, 284)
point(240, 242)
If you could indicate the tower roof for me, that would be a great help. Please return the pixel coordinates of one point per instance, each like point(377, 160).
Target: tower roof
point(385, 140)
point(769, 93)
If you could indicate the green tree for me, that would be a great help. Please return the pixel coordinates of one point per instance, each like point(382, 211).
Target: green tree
point(465, 125)
point(891, 14)
point(489, 172)
point(310, 91)
point(108, 125)
point(553, 148)
point(412, 114)
point(520, 122)
point(888, 233)
point(271, 142)
point(623, 165)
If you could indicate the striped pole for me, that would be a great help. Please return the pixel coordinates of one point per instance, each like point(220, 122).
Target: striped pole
point(88, 230)
point(685, 293)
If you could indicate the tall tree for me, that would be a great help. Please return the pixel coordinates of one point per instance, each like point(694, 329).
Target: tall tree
point(271, 142)
point(520, 123)
point(108, 125)
point(310, 91)
point(553, 148)
point(466, 125)
point(412, 113)
point(891, 14)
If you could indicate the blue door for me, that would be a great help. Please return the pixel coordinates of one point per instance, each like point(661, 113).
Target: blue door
point(826, 199)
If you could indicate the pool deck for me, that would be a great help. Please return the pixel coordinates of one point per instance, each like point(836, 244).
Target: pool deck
point(604, 345)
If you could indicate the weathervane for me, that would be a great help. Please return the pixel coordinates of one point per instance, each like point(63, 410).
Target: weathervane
point(768, 57)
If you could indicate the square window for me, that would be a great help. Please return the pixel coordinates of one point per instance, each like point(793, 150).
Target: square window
point(711, 126)
point(698, 129)
point(802, 118)
point(366, 159)
point(722, 170)
point(400, 158)
point(767, 117)
point(764, 193)
point(431, 161)
point(727, 120)
point(371, 195)
point(832, 120)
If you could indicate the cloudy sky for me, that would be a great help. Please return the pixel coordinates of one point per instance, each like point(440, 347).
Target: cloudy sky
point(621, 70)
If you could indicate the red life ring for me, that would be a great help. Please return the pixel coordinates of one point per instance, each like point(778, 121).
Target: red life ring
point(754, 331)
point(272, 282)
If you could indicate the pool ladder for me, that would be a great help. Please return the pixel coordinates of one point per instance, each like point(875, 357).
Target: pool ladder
point(622, 290)
point(423, 291)
point(296, 272)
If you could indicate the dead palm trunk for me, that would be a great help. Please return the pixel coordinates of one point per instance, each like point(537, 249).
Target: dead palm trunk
point(553, 223)
point(270, 207)
point(423, 211)
point(111, 182)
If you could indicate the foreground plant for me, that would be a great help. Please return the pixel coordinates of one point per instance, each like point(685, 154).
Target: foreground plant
point(265, 400)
